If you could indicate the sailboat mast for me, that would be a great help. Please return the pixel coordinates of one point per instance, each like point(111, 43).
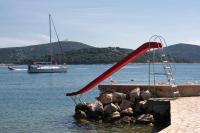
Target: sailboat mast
point(50, 37)
point(60, 45)
point(50, 28)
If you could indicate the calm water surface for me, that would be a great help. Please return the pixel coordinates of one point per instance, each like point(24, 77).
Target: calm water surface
point(37, 102)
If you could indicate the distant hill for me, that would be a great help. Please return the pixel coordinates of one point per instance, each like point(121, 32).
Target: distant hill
point(92, 55)
point(18, 54)
point(178, 53)
point(185, 52)
point(96, 55)
point(79, 53)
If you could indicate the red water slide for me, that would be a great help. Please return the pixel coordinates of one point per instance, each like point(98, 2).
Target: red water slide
point(130, 58)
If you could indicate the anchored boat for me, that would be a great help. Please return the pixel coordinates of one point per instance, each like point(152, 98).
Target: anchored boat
point(52, 66)
point(46, 67)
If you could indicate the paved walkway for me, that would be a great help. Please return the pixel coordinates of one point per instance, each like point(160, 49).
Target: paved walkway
point(185, 116)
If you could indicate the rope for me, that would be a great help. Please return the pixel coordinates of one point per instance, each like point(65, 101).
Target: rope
point(57, 36)
point(74, 99)
point(77, 99)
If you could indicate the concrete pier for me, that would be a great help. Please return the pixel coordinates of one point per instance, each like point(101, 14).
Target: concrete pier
point(159, 90)
point(185, 116)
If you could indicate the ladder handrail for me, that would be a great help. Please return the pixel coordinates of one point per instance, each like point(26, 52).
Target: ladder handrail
point(166, 65)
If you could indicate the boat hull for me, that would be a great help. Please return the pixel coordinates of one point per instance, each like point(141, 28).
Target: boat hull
point(47, 68)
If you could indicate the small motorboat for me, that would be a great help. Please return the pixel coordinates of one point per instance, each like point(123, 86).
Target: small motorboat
point(11, 68)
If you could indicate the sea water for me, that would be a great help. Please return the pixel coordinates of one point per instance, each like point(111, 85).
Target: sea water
point(37, 102)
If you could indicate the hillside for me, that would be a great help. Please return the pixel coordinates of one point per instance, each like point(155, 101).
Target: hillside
point(18, 54)
point(180, 53)
point(91, 56)
point(79, 53)
point(185, 52)
point(96, 55)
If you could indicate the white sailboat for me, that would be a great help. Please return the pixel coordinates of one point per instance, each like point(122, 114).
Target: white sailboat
point(48, 67)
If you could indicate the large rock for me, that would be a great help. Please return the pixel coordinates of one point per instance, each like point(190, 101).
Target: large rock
point(95, 110)
point(97, 106)
point(146, 95)
point(118, 97)
point(110, 108)
point(135, 94)
point(127, 120)
point(82, 106)
point(145, 119)
point(127, 112)
point(106, 98)
point(133, 100)
point(125, 104)
point(80, 114)
point(115, 115)
point(142, 105)
point(118, 108)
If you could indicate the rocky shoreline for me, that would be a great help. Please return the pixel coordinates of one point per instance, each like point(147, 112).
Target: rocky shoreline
point(118, 108)
point(6, 65)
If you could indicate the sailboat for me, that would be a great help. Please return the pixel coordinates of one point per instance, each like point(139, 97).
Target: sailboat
point(52, 66)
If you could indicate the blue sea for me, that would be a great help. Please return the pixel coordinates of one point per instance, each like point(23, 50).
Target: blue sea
point(36, 103)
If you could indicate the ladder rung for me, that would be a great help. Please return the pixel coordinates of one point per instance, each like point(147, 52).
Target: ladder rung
point(169, 73)
point(158, 73)
point(173, 85)
point(167, 67)
point(171, 79)
point(176, 92)
point(163, 55)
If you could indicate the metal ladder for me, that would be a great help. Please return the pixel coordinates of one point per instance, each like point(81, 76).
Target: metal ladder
point(166, 66)
point(169, 74)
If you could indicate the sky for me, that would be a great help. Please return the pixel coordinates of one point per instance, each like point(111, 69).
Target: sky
point(100, 23)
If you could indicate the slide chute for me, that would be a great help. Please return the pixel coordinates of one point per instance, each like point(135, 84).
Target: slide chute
point(129, 58)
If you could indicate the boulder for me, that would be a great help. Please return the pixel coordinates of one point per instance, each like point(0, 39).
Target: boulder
point(125, 104)
point(135, 94)
point(80, 114)
point(146, 95)
point(95, 110)
point(106, 98)
point(115, 115)
point(142, 105)
point(127, 112)
point(133, 99)
point(127, 120)
point(145, 119)
point(118, 108)
point(97, 106)
point(117, 97)
point(112, 118)
point(110, 108)
point(82, 106)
